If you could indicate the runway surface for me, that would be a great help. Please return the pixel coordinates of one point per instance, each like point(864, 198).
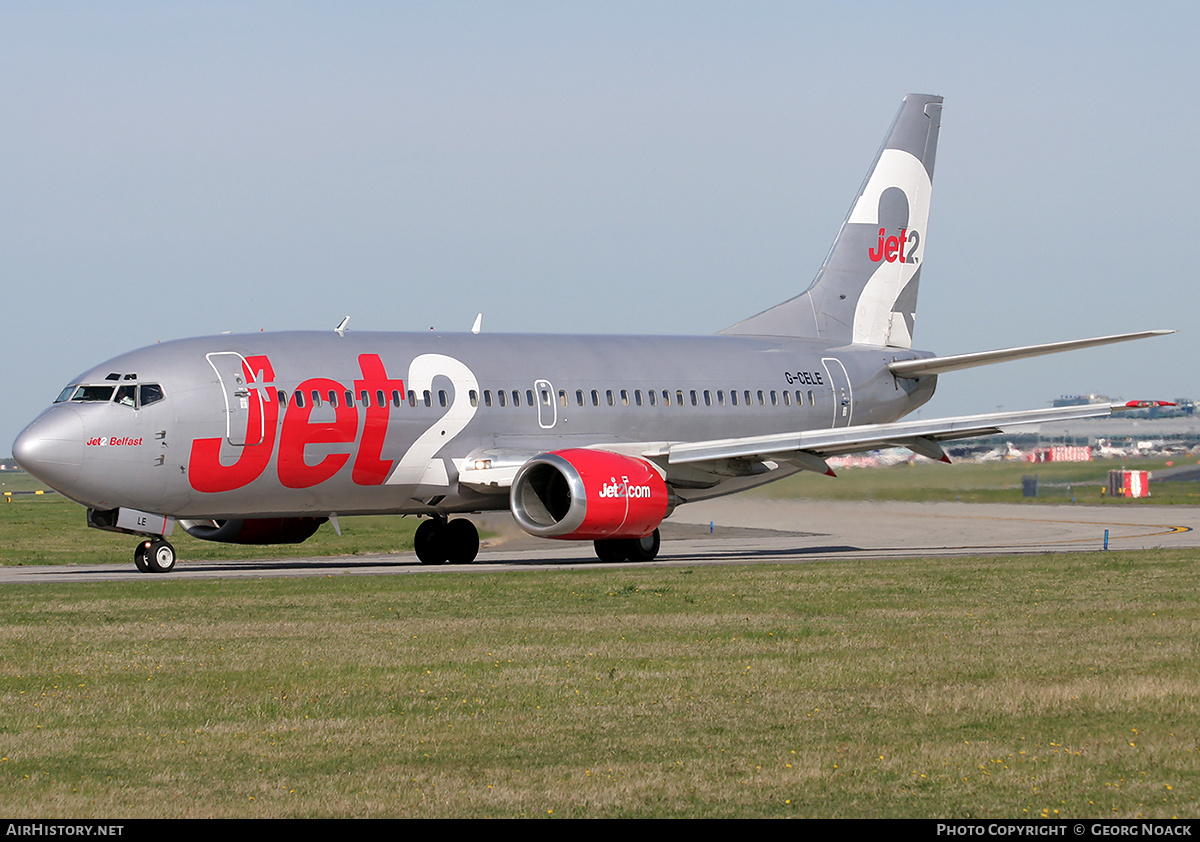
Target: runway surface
point(745, 531)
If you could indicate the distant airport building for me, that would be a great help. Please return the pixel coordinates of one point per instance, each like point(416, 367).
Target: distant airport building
point(1080, 400)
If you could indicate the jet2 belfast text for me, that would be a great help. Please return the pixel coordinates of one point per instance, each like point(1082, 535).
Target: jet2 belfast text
point(261, 438)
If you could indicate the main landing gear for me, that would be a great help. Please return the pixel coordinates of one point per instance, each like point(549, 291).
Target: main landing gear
point(154, 555)
point(629, 549)
point(439, 540)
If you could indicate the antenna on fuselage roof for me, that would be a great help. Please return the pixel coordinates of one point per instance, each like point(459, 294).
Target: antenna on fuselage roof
point(340, 330)
point(478, 323)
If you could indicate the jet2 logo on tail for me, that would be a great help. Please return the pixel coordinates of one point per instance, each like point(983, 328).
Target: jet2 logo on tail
point(891, 249)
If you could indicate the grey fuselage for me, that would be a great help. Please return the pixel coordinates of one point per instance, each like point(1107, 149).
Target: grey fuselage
point(219, 445)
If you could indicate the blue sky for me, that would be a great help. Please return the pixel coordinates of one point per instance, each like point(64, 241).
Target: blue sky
point(180, 169)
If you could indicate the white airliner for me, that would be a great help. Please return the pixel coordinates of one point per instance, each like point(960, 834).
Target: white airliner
point(261, 438)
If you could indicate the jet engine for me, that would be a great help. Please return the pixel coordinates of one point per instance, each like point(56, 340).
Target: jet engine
point(589, 495)
point(266, 530)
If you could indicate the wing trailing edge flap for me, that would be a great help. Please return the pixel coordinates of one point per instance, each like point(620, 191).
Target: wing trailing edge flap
point(808, 450)
point(955, 362)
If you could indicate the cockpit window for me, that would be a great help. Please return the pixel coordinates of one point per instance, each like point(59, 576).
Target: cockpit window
point(128, 394)
point(92, 394)
point(149, 393)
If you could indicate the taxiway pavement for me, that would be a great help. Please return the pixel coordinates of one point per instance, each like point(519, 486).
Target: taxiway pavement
point(746, 530)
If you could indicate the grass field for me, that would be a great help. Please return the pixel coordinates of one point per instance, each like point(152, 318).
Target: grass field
point(1061, 686)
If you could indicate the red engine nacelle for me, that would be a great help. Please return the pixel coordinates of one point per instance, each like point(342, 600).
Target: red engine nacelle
point(265, 530)
point(589, 495)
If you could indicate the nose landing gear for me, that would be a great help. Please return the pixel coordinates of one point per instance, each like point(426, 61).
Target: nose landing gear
point(154, 556)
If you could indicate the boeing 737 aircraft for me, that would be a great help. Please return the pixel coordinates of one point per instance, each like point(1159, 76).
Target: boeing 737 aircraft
point(261, 438)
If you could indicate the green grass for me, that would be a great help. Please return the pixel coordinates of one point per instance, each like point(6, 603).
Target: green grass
point(1059, 685)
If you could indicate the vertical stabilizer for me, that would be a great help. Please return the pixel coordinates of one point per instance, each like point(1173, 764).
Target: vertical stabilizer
point(866, 291)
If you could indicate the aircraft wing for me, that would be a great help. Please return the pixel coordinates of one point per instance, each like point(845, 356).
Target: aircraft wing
point(808, 449)
point(492, 471)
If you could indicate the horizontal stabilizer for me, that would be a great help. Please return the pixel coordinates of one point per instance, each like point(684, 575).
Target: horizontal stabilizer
point(940, 365)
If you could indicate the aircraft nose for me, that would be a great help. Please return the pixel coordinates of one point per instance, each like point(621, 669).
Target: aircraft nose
point(51, 448)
